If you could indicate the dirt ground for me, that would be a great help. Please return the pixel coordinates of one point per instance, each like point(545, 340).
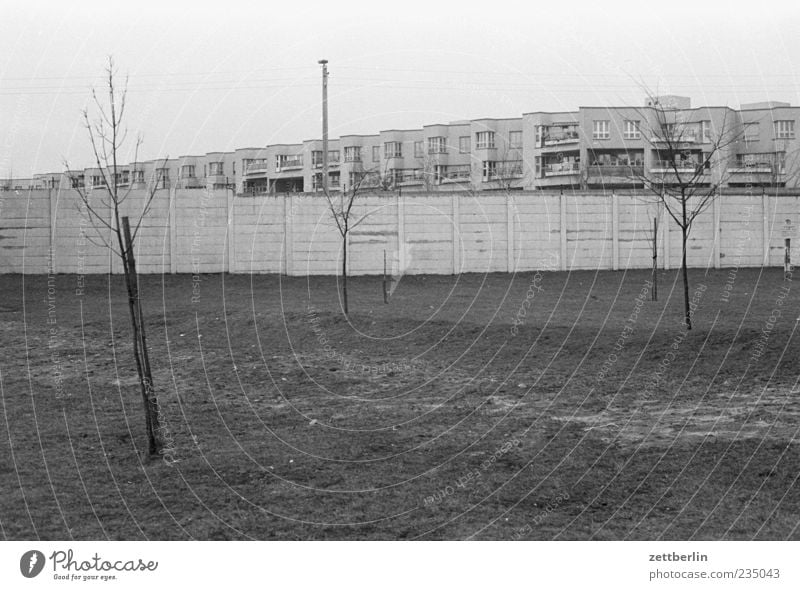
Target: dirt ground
point(535, 406)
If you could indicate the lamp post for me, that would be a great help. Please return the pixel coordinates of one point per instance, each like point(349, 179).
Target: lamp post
point(324, 64)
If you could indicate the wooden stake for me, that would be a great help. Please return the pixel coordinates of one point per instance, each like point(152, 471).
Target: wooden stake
point(385, 291)
point(787, 259)
point(655, 258)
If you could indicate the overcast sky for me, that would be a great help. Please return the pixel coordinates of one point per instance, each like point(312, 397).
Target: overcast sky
point(223, 75)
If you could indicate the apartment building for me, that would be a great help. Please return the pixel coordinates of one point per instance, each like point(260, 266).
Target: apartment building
point(589, 148)
point(624, 147)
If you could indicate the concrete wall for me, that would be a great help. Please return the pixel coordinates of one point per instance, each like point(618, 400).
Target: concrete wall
point(191, 231)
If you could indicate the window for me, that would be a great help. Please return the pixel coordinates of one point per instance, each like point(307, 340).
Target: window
point(316, 158)
point(77, 181)
point(376, 153)
point(539, 135)
point(784, 129)
point(419, 150)
point(97, 180)
point(393, 149)
point(489, 170)
point(751, 131)
point(355, 178)
point(296, 161)
point(484, 140)
point(632, 130)
point(463, 145)
point(187, 171)
point(216, 169)
point(352, 154)
point(600, 130)
point(515, 139)
point(705, 131)
point(316, 180)
point(138, 176)
point(253, 165)
point(162, 177)
point(437, 145)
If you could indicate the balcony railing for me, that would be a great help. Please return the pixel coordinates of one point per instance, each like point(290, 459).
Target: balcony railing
point(192, 182)
point(252, 191)
point(562, 168)
point(414, 177)
point(331, 162)
point(685, 137)
point(666, 166)
point(290, 164)
point(511, 170)
point(626, 170)
point(255, 167)
point(755, 168)
point(560, 138)
point(455, 174)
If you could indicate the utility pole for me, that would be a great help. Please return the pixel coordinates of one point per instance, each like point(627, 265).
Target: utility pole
point(324, 63)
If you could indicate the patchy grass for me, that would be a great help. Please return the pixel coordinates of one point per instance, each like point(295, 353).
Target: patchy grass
point(426, 418)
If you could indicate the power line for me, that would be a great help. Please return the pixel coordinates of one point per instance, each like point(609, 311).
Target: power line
point(414, 85)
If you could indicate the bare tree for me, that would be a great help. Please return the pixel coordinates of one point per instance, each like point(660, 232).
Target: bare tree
point(691, 167)
point(341, 208)
point(506, 172)
point(107, 135)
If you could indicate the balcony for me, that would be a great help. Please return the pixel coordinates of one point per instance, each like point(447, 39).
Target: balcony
point(562, 168)
point(666, 166)
point(560, 138)
point(407, 178)
point(675, 139)
point(252, 191)
point(505, 171)
point(290, 164)
point(755, 167)
point(331, 162)
point(252, 167)
point(192, 182)
point(455, 174)
point(617, 170)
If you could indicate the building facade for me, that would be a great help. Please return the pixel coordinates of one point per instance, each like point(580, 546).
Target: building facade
point(591, 148)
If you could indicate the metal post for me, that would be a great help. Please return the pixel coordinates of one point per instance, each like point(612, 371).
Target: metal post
point(324, 63)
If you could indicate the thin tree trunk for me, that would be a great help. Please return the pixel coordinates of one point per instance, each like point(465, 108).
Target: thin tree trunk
point(151, 407)
point(684, 271)
point(344, 272)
